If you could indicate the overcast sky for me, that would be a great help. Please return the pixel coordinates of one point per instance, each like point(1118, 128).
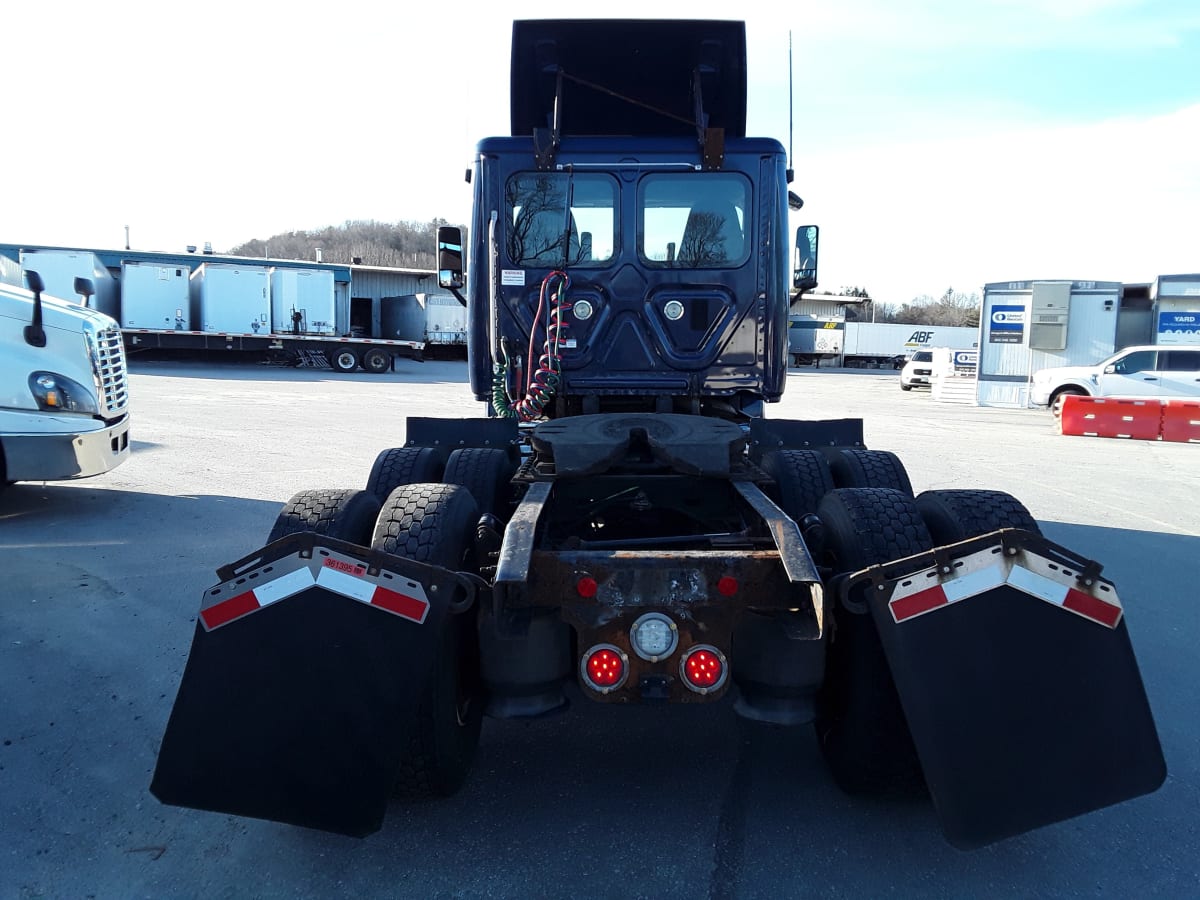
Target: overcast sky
point(937, 143)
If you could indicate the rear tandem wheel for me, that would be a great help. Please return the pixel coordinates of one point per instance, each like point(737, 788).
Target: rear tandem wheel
point(399, 466)
point(376, 360)
point(342, 359)
point(854, 467)
point(860, 723)
point(953, 516)
point(802, 478)
point(484, 471)
point(346, 515)
point(434, 523)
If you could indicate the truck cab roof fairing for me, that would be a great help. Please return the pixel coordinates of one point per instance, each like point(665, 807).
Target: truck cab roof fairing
point(629, 76)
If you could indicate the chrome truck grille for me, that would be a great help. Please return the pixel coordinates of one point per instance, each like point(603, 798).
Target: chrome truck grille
point(108, 367)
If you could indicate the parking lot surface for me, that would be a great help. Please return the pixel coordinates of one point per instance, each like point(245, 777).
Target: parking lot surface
point(101, 588)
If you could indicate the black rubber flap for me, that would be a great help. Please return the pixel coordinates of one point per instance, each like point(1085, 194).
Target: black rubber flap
point(298, 713)
point(1023, 713)
point(628, 76)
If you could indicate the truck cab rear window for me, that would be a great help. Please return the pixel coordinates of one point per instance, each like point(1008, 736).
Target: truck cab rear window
point(556, 219)
point(693, 221)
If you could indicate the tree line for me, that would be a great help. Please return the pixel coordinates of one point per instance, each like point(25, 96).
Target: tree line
point(401, 245)
point(952, 308)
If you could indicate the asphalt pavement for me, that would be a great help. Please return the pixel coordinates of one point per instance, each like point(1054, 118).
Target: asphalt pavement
point(102, 584)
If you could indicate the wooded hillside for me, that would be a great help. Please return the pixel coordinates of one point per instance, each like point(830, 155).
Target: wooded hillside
point(405, 245)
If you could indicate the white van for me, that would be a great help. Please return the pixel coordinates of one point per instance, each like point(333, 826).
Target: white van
point(64, 402)
point(1162, 372)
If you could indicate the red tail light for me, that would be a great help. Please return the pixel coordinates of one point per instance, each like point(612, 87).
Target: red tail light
point(703, 668)
point(604, 668)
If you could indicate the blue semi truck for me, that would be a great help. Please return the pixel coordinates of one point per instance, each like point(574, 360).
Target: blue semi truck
point(625, 521)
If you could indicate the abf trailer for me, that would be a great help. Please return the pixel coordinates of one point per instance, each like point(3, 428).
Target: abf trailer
point(626, 519)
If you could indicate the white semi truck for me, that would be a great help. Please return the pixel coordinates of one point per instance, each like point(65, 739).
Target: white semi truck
point(64, 401)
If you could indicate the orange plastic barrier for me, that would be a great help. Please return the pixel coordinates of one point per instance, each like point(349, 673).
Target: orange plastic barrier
point(1107, 417)
point(1181, 421)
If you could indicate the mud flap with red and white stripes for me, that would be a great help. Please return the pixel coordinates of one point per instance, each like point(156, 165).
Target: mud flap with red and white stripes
point(1018, 681)
point(302, 685)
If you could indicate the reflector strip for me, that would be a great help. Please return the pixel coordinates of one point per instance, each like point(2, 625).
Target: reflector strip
point(250, 601)
point(345, 576)
point(405, 605)
point(982, 571)
point(228, 610)
point(414, 608)
point(1067, 597)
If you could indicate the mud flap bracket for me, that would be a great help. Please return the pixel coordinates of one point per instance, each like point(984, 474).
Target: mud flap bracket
point(303, 682)
point(1018, 680)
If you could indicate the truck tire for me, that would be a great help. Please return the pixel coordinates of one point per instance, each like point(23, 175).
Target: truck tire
point(404, 465)
point(342, 360)
point(377, 361)
point(434, 523)
point(802, 478)
point(953, 516)
point(856, 468)
point(346, 515)
point(485, 472)
point(860, 724)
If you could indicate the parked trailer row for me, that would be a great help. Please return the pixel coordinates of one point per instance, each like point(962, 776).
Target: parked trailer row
point(292, 313)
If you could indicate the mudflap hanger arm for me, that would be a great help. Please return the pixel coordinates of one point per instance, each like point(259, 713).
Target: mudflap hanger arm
point(305, 674)
point(1017, 679)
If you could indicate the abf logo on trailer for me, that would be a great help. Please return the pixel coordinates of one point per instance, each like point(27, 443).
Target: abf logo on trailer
point(1007, 325)
point(919, 339)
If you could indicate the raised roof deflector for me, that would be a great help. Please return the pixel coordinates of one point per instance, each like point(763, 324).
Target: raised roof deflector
point(628, 76)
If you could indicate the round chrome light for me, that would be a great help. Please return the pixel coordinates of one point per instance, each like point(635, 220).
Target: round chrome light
point(673, 310)
point(654, 636)
point(582, 310)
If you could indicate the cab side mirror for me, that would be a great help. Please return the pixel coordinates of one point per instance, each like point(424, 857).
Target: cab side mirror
point(85, 289)
point(450, 257)
point(804, 271)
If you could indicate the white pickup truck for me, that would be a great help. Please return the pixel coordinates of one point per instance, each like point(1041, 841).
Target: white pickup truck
point(1163, 372)
point(64, 402)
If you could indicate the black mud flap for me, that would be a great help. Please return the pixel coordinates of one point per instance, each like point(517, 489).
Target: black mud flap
point(1019, 683)
point(302, 685)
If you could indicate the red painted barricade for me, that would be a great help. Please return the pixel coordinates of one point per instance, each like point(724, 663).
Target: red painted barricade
point(1181, 421)
point(1108, 417)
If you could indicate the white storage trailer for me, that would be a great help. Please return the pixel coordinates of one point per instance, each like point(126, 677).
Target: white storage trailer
point(230, 299)
point(155, 296)
point(302, 301)
point(59, 269)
